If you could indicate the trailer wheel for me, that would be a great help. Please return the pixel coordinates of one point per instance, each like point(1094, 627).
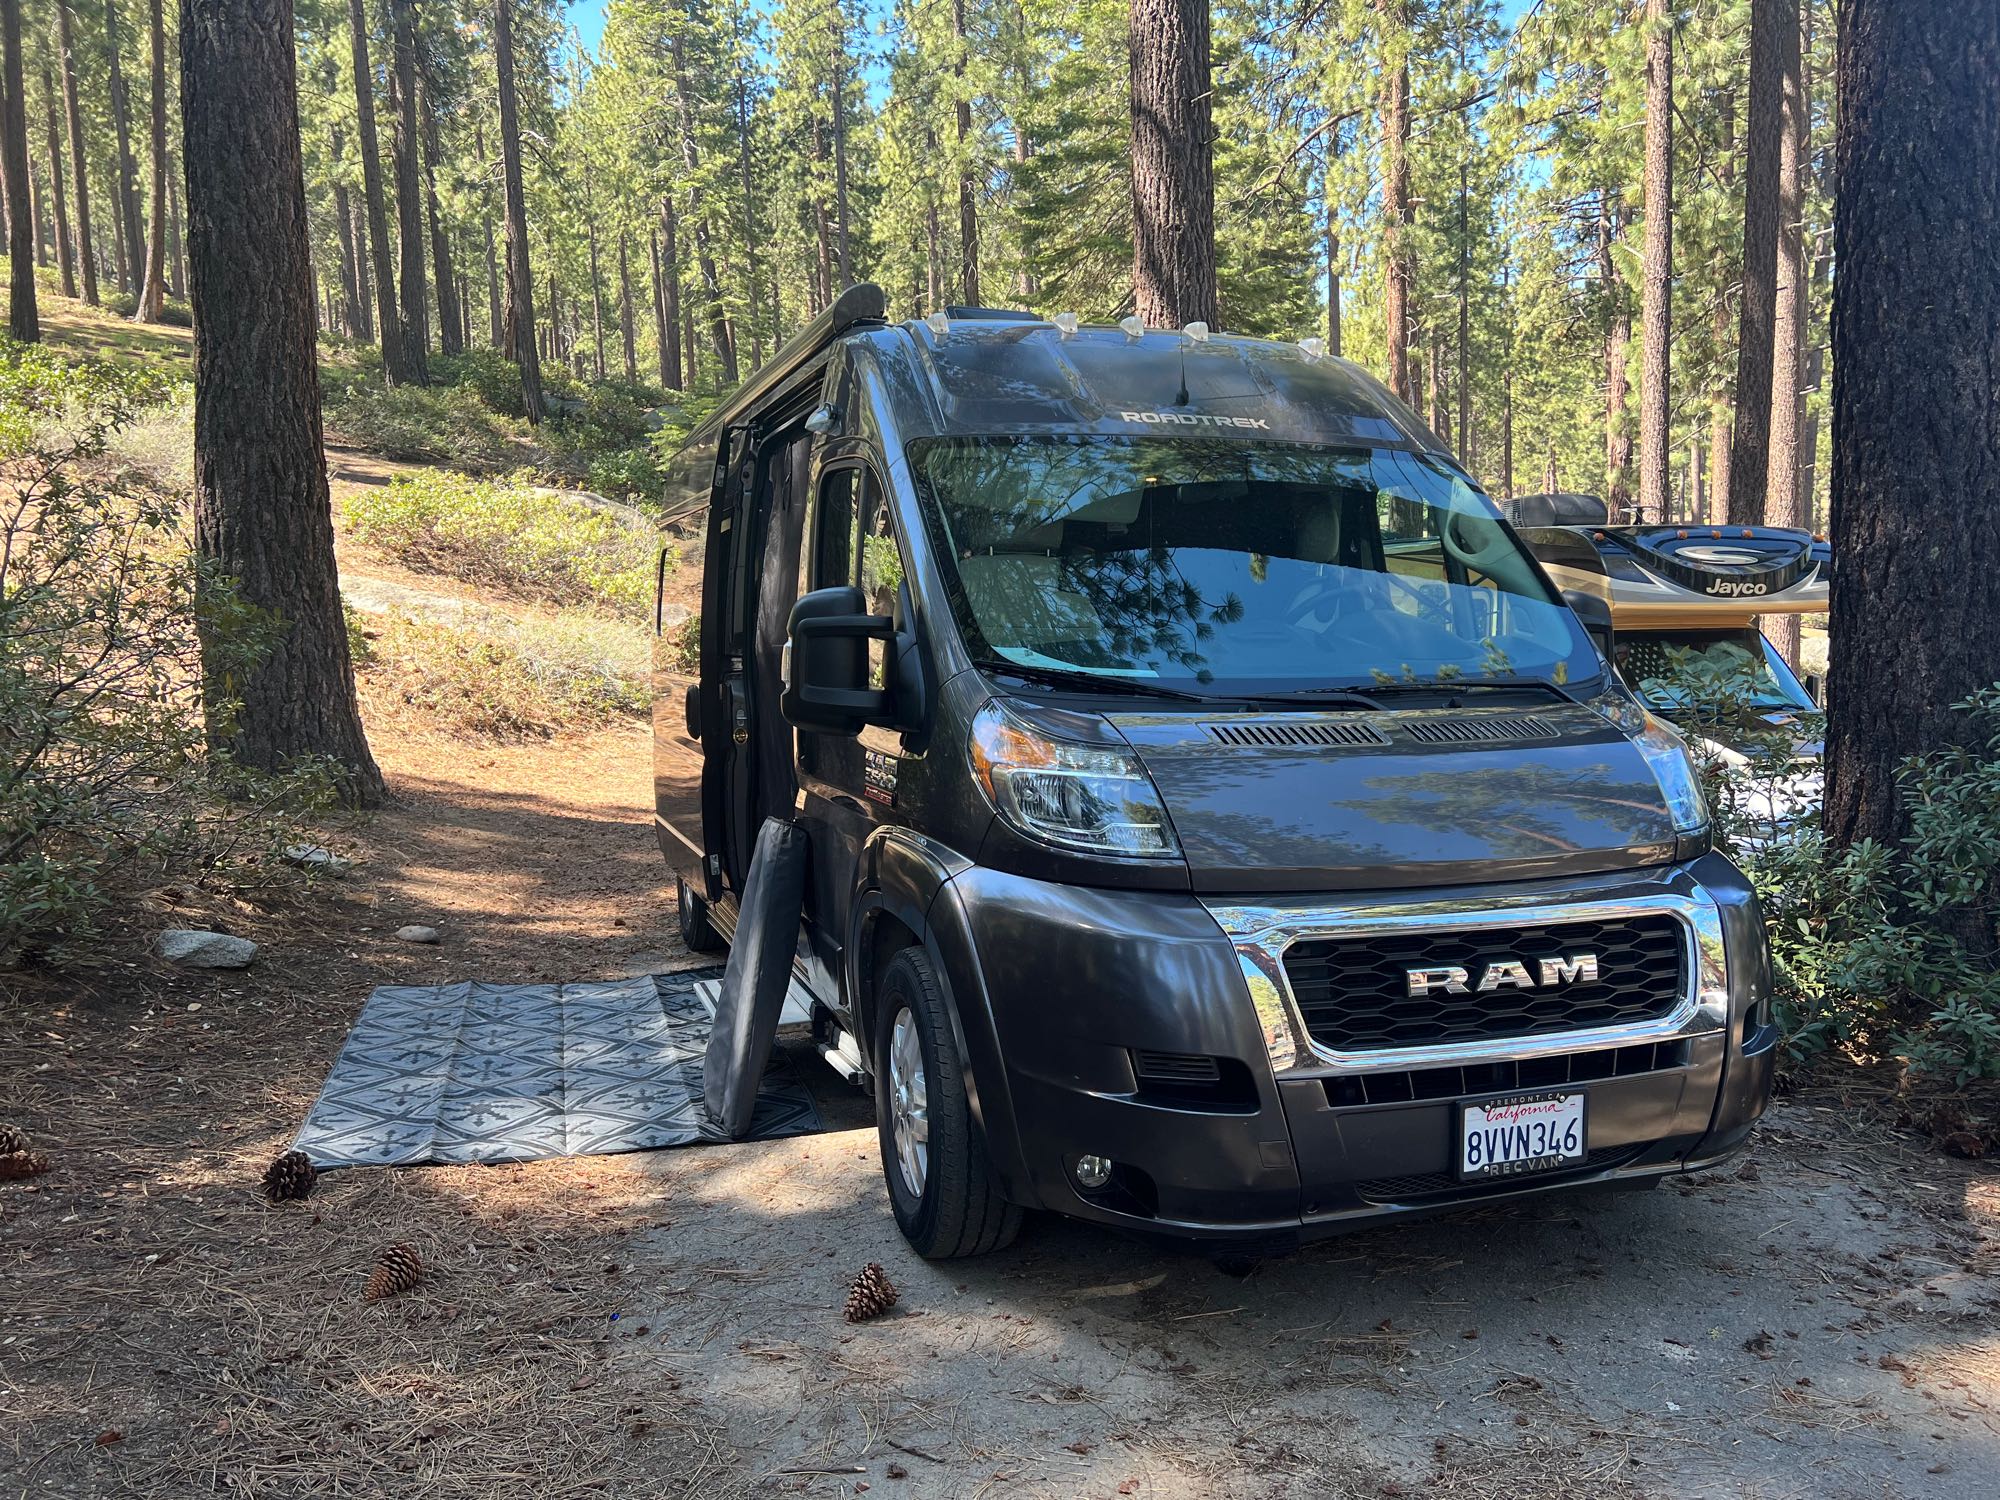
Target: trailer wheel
point(697, 934)
point(940, 1184)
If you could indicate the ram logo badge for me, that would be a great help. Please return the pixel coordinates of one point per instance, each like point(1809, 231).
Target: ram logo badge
point(1509, 973)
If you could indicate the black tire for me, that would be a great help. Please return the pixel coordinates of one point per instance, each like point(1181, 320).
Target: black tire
point(697, 935)
point(959, 1210)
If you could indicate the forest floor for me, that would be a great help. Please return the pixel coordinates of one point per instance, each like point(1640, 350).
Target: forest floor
point(1819, 1321)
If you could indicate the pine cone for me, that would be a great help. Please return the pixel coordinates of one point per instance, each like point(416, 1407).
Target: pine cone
point(397, 1269)
point(871, 1295)
point(15, 1165)
point(290, 1176)
point(13, 1138)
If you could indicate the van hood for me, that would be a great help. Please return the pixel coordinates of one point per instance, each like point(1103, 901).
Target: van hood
point(1343, 801)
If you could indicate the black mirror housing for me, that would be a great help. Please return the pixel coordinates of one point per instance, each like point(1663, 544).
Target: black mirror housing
point(826, 675)
point(1594, 614)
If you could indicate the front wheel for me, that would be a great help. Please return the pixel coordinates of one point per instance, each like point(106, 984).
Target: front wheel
point(940, 1184)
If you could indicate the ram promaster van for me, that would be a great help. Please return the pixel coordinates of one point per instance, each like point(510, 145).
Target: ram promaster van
point(1217, 825)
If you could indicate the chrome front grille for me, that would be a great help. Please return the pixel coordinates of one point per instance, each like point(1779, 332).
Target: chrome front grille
point(1329, 982)
point(1353, 994)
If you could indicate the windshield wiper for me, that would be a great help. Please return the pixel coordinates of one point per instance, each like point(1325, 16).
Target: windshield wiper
point(1456, 688)
point(1087, 681)
point(1316, 698)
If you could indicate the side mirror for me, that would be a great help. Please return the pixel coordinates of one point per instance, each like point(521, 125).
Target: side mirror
point(1594, 614)
point(826, 673)
point(1815, 686)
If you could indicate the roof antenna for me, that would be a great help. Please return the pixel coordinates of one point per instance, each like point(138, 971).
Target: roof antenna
point(1194, 333)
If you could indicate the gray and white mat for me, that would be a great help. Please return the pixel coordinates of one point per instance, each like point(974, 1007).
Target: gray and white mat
point(511, 1072)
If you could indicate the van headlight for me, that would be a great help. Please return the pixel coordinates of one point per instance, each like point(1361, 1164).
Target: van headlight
point(1673, 767)
point(1095, 799)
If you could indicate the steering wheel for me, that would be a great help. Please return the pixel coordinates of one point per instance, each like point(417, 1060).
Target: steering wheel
point(1481, 558)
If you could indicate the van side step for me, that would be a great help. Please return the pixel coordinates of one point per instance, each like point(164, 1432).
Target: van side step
point(837, 1045)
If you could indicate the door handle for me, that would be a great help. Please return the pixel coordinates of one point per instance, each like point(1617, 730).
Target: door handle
point(739, 712)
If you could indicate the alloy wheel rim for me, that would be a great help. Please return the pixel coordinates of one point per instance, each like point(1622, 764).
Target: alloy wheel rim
point(909, 1104)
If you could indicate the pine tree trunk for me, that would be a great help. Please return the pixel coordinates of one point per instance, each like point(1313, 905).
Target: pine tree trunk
point(395, 364)
point(86, 262)
point(933, 256)
point(1173, 164)
point(1394, 21)
point(1657, 267)
point(364, 287)
point(1463, 378)
point(121, 264)
point(677, 352)
point(518, 341)
point(350, 292)
point(343, 214)
point(1618, 334)
point(1719, 399)
point(721, 335)
point(153, 281)
point(842, 243)
point(752, 275)
point(669, 359)
point(1916, 429)
point(968, 182)
point(596, 290)
point(1332, 283)
point(413, 315)
point(495, 329)
point(626, 332)
point(822, 225)
point(64, 249)
point(262, 514)
point(1774, 30)
point(126, 197)
point(22, 318)
point(176, 252)
point(1788, 324)
point(451, 320)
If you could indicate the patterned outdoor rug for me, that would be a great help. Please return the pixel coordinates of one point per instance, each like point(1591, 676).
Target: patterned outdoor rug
point(511, 1072)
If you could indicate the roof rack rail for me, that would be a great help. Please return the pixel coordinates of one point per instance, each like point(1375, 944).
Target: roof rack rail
point(991, 315)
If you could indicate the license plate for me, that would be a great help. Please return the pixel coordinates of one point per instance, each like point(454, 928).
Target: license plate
point(1522, 1133)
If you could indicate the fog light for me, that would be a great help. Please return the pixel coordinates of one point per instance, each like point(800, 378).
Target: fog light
point(1092, 1172)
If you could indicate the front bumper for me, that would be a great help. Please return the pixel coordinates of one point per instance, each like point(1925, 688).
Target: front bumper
point(1068, 997)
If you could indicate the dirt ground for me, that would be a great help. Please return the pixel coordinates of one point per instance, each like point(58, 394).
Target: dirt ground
point(1820, 1321)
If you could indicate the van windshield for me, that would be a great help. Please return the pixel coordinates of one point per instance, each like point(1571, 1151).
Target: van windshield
point(1236, 566)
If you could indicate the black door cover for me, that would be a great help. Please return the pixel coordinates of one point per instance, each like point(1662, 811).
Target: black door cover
point(759, 973)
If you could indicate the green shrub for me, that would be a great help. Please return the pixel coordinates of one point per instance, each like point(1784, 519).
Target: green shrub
point(488, 374)
point(1887, 950)
point(494, 678)
point(426, 424)
point(103, 754)
point(538, 544)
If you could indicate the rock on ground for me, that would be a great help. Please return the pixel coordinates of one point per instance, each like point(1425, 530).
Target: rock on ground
point(417, 934)
point(193, 949)
point(318, 859)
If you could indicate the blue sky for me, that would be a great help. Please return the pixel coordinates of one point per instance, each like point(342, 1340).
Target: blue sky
point(587, 16)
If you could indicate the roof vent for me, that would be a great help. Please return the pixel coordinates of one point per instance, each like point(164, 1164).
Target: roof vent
point(1485, 730)
point(1272, 733)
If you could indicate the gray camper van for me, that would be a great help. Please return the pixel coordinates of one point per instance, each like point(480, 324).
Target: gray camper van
point(1217, 824)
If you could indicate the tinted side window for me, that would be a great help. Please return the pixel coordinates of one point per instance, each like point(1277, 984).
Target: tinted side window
point(834, 544)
